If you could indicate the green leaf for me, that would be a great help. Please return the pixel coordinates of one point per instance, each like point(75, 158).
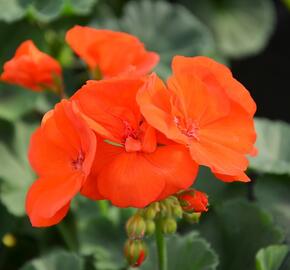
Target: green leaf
point(45, 11)
point(78, 7)
point(187, 252)
point(15, 102)
point(238, 229)
point(241, 28)
point(271, 258)
point(272, 193)
point(165, 28)
point(15, 172)
point(11, 10)
point(273, 145)
point(57, 260)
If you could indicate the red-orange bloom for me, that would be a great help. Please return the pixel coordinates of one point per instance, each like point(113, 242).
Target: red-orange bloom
point(192, 200)
point(31, 68)
point(131, 168)
point(111, 53)
point(61, 152)
point(204, 108)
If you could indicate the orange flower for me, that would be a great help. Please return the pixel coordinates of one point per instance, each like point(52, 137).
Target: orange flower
point(111, 53)
point(192, 200)
point(61, 152)
point(204, 108)
point(32, 69)
point(131, 168)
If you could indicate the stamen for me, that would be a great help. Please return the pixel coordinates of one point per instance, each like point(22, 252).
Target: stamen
point(78, 162)
point(187, 128)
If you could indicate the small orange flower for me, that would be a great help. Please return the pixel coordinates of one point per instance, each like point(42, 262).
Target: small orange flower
point(192, 200)
point(204, 108)
point(111, 53)
point(61, 152)
point(131, 168)
point(32, 69)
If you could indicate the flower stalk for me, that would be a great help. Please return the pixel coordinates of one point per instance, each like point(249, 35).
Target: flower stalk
point(161, 246)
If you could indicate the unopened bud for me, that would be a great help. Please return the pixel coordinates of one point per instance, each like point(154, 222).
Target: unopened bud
point(168, 225)
point(136, 227)
point(165, 208)
point(177, 211)
point(135, 252)
point(192, 200)
point(150, 227)
point(192, 217)
point(151, 211)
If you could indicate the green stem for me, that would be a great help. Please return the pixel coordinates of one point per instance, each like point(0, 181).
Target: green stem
point(161, 246)
point(104, 207)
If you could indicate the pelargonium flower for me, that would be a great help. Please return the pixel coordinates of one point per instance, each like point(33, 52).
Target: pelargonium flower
point(111, 53)
point(205, 109)
point(32, 69)
point(131, 167)
point(61, 153)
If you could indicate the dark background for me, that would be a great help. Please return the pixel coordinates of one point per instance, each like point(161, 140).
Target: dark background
point(267, 75)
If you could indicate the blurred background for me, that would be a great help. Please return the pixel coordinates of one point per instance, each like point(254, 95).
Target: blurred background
point(248, 225)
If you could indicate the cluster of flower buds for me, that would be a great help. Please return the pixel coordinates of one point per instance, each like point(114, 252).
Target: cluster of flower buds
point(188, 204)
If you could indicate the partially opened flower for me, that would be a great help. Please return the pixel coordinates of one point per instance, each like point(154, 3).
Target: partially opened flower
point(206, 110)
point(193, 200)
point(131, 168)
point(32, 69)
point(61, 152)
point(109, 53)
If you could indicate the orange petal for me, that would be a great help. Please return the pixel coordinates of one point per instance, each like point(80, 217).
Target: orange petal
point(114, 53)
point(136, 179)
point(154, 101)
point(242, 177)
point(110, 105)
point(39, 221)
point(62, 137)
point(235, 131)
point(196, 100)
point(105, 154)
point(205, 68)
point(218, 157)
point(48, 198)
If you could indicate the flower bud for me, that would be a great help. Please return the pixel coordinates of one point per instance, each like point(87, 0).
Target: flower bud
point(192, 200)
point(192, 217)
point(136, 227)
point(168, 225)
point(135, 252)
point(151, 211)
point(177, 211)
point(150, 227)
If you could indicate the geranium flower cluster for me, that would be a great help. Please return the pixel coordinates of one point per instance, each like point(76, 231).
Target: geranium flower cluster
point(129, 137)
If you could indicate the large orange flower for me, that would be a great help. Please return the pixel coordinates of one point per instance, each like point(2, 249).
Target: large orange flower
point(32, 69)
point(131, 168)
point(204, 108)
point(111, 53)
point(61, 152)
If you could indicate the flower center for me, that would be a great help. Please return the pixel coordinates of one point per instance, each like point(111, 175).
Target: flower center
point(78, 162)
point(188, 128)
point(130, 132)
